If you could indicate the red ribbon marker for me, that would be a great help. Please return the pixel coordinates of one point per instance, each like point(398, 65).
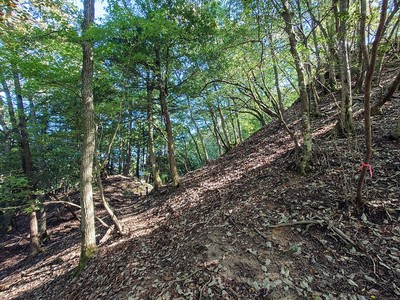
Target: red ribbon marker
point(368, 166)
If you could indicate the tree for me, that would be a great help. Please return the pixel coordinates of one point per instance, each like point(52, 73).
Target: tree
point(391, 90)
point(287, 16)
point(88, 239)
point(161, 84)
point(346, 123)
point(152, 157)
point(27, 166)
point(366, 164)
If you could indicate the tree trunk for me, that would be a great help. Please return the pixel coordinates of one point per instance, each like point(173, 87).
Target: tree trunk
point(107, 206)
point(27, 166)
point(164, 108)
point(239, 127)
point(227, 142)
point(128, 152)
point(306, 123)
point(363, 55)
point(392, 89)
point(27, 163)
point(200, 135)
point(42, 223)
point(157, 183)
point(366, 164)
point(276, 75)
point(346, 123)
point(137, 167)
point(35, 248)
point(196, 146)
point(10, 107)
point(88, 239)
point(220, 141)
point(7, 131)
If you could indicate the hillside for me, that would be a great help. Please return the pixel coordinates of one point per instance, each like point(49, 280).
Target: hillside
point(246, 226)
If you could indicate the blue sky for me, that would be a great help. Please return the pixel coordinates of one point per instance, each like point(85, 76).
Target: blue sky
point(99, 7)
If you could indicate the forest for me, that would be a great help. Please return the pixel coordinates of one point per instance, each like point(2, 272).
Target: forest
point(155, 112)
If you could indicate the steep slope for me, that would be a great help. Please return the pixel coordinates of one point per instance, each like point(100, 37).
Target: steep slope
point(247, 226)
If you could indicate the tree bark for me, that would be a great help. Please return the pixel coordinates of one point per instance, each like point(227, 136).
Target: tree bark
point(7, 131)
point(306, 122)
point(363, 55)
point(392, 89)
point(128, 155)
point(10, 107)
point(227, 142)
point(218, 136)
point(276, 75)
point(106, 205)
point(198, 131)
point(366, 164)
point(35, 248)
point(157, 183)
point(88, 239)
point(27, 165)
point(164, 108)
point(346, 123)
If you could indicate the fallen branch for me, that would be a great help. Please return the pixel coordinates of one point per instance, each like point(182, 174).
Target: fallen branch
point(303, 222)
point(322, 221)
point(106, 205)
point(107, 235)
point(74, 205)
point(203, 287)
point(4, 209)
point(341, 234)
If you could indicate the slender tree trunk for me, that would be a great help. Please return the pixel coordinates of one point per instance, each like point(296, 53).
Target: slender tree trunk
point(196, 146)
point(239, 127)
point(7, 131)
point(88, 240)
point(198, 131)
point(366, 164)
point(157, 183)
point(27, 165)
point(346, 123)
point(35, 248)
point(170, 139)
point(306, 122)
point(106, 205)
point(234, 129)
point(128, 155)
point(276, 75)
point(319, 73)
point(392, 89)
point(137, 167)
point(332, 59)
point(164, 108)
point(42, 223)
point(363, 55)
point(228, 142)
point(10, 107)
point(217, 133)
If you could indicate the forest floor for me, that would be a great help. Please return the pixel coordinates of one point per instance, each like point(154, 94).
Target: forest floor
point(245, 226)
